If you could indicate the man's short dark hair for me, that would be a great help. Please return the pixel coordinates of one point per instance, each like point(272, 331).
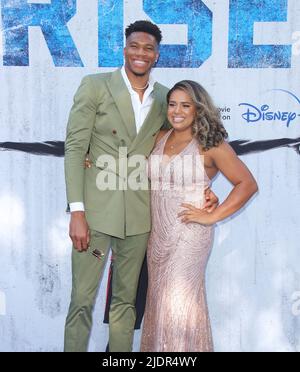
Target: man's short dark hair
point(144, 26)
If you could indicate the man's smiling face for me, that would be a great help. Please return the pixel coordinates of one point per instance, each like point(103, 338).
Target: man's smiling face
point(141, 53)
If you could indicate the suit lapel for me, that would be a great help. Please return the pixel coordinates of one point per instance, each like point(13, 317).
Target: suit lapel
point(121, 96)
point(150, 122)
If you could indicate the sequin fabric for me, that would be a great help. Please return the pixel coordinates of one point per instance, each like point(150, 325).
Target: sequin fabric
point(176, 316)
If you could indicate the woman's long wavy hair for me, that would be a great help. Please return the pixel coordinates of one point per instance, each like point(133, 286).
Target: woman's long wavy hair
point(208, 128)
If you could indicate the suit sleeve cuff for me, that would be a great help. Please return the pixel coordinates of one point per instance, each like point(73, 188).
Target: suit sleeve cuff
point(76, 207)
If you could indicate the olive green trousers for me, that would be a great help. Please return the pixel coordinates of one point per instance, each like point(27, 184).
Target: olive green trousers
point(87, 271)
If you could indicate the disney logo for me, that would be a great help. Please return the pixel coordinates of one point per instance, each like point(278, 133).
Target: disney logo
point(263, 113)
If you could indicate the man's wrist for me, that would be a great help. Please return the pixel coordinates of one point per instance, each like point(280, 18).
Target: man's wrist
point(78, 214)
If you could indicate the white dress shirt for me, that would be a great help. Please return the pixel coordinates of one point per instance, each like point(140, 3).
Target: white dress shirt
point(140, 109)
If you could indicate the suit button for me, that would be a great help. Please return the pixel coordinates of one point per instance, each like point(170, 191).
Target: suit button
point(114, 131)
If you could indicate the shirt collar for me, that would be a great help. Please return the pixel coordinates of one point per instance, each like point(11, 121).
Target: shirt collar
point(127, 82)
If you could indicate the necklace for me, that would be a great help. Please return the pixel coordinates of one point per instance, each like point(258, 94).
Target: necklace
point(143, 88)
point(172, 147)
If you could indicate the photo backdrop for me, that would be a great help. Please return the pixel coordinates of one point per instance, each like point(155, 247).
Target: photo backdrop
point(246, 53)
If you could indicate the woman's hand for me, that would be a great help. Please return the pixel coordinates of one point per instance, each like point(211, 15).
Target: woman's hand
point(87, 162)
point(192, 214)
point(211, 201)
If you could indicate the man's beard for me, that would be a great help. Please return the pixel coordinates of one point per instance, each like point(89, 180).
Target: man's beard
point(140, 74)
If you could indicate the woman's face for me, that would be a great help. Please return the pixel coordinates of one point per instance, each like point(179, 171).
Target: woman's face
point(181, 110)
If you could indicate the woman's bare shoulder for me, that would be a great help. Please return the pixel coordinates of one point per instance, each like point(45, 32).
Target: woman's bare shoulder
point(160, 135)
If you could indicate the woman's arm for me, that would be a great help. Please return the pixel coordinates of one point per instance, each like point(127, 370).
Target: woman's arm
point(238, 174)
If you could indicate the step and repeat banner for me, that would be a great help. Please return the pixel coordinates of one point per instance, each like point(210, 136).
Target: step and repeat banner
point(247, 55)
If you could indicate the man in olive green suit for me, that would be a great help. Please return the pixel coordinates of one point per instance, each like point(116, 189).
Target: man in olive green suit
point(115, 116)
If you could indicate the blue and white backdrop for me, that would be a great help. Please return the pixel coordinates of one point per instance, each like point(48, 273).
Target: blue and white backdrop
point(247, 54)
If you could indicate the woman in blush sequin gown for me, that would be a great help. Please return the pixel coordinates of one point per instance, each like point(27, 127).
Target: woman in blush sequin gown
point(181, 167)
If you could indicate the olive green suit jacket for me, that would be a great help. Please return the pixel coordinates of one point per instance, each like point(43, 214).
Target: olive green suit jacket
point(101, 122)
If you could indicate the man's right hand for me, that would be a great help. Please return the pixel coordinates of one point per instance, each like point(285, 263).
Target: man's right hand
point(79, 231)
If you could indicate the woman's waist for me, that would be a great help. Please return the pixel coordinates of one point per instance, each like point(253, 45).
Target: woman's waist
point(176, 196)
